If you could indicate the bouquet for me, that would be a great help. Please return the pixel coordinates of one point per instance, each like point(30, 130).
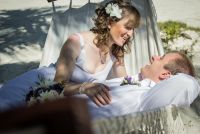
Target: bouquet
point(45, 90)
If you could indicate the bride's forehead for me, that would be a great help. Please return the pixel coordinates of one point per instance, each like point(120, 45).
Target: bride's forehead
point(129, 21)
point(132, 21)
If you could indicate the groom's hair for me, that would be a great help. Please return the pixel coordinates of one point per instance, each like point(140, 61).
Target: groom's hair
point(180, 65)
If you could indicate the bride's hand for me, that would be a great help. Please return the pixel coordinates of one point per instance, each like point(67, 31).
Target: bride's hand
point(98, 92)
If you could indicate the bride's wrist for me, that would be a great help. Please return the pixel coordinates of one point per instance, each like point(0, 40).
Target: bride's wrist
point(81, 89)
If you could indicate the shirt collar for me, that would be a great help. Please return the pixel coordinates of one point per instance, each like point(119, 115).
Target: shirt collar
point(147, 83)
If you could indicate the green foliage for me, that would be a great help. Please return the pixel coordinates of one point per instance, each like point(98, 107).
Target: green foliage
point(170, 33)
point(172, 29)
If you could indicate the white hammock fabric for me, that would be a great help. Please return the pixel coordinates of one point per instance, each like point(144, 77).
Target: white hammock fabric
point(146, 43)
point(165, 120)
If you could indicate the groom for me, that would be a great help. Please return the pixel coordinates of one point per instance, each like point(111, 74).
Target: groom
point(161, 68)
point(167, 80)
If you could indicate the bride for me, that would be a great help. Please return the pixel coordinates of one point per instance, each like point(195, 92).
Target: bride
point(86, 58)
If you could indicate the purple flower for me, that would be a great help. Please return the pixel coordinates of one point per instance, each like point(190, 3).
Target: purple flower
point(129, 79)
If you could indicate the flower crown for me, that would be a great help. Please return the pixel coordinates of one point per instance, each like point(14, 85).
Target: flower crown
point(113, 10)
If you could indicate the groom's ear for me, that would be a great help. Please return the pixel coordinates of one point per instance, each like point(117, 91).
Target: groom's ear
point(165, 74)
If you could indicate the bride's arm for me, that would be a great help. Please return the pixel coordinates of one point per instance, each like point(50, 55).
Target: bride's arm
point(67, 58)
point(64, 68)
point(66, 62)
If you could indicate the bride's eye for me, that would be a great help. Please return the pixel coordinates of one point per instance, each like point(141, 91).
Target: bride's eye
point(128, 28)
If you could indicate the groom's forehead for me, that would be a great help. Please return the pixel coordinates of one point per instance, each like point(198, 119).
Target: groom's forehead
point(170, 56)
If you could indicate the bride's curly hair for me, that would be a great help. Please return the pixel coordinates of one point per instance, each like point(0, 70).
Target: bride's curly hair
point(101, 27)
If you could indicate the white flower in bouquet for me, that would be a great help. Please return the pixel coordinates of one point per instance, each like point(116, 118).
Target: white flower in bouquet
point(44, 90)
point(32, 101)
point(114, 10)
point(48, 95)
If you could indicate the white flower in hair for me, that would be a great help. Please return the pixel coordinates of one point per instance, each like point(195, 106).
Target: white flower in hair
point(114, 10)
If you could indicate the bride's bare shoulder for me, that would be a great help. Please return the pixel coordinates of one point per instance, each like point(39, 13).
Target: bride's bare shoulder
point(88, 35)
point(72, 44)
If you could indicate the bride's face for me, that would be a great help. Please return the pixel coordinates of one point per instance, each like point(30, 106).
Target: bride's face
point(121, 31)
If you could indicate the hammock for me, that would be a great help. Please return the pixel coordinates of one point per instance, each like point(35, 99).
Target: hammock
point(169, 119)
point(147, 41)
point(165, 120)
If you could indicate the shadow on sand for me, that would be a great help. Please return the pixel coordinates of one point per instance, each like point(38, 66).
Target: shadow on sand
point(23, 27)
point(19, 29)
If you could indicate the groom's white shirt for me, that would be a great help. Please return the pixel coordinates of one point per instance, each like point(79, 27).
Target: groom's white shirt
point(136, 78)
point(179, 90)
point(125, 99)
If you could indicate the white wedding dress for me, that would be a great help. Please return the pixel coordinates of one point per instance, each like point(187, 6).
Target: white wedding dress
point(13, 92)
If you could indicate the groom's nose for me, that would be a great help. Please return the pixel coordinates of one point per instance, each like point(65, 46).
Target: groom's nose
point(154, 58)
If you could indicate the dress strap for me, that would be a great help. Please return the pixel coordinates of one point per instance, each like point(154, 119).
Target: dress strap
point(81, 39)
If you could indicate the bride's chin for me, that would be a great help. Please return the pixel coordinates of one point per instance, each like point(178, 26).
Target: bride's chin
point(120, 44)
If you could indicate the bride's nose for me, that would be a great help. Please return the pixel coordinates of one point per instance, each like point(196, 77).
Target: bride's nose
point(130, 33)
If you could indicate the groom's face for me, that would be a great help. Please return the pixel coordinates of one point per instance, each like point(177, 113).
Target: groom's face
point(156, 71)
